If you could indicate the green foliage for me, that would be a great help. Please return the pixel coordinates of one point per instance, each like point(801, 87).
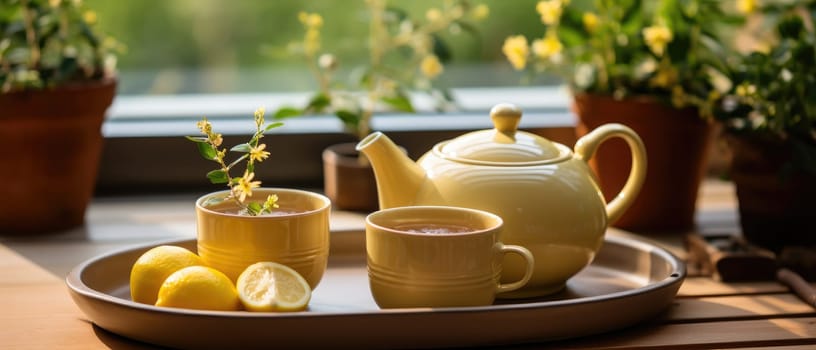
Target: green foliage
point(774, 91)
point(46, 43)
point(666, 49)
point(403, 54)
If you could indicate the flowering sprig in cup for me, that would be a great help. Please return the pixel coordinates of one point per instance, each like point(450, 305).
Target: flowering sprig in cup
point(209, 146)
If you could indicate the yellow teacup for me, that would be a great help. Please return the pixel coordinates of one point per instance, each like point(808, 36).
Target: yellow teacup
point(434, 256)
point(296, 235)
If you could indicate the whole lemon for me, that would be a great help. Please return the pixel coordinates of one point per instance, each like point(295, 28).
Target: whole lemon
point(199, 287)
point(154, 266)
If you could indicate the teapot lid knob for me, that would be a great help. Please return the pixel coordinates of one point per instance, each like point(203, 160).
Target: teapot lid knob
point(506, 118)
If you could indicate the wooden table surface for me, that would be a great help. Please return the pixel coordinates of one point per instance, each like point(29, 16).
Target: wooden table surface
point(36, 311)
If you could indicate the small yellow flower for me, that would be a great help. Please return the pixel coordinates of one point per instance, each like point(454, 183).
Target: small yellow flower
point(550, 11)
point(548, 47)
point(431, 67)
point(311, 20)
point(90, 17)
point(245, 186)
point(590, 21)
point(745, 89)
point(259, 116)
point(657, 37)
point(516, 50)
point(746, 6)
point(54, 3)
point(714, 95)
point(219, 156)
point(433, 15)
point(257, 154)
point(481, 12)
point(204, 126)
point(216, 139)
point(271, 201)
point(665, 77)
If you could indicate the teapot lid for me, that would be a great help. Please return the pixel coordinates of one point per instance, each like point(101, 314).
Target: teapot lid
point(504, 144)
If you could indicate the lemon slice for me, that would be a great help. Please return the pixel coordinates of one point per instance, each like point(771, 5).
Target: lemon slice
point(269, 286)
point(199, 287)
point(154, 266)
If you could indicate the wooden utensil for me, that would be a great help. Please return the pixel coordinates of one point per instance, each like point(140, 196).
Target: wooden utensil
point(731, 259)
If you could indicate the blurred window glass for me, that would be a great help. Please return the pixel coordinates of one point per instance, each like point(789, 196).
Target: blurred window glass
point(224, 46)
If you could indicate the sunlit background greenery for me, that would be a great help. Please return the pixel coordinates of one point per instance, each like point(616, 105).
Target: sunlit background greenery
point(227, 46)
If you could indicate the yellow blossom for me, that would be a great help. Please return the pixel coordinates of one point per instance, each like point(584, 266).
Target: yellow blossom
point(550, 11)
point(481, 12)
point(431, 67)
point(665, 77)
point(547, 47)
point(714, 95)
point(205, 126)
point(590, 21)
point(257, 154)
point(657, 37)
point(216, 139)
point(89, 17)
point(516, 50)
point(433, 15)
point(310, 20)
point(271, 201)
point(745, 90)
point(54, 3)
point(259, 116)
point(219, 155)
point(245, 186)
point(746, 6)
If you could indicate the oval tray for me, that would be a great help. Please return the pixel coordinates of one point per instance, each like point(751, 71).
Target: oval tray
point(629, 281)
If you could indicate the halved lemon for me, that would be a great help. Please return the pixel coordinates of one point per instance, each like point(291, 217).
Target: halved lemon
point(269, 286)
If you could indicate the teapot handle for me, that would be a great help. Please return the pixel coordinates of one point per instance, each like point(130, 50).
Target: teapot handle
point(588, 144)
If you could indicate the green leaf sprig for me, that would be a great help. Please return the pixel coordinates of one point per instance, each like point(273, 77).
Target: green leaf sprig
point(209, 146)
point(48, 43)
point(403, 54)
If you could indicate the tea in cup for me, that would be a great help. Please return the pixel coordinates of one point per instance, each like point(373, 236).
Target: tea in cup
point(433, 256)
point(296, 234)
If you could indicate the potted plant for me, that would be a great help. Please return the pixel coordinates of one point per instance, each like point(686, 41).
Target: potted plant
point(655, 66)
point(403, 54)
point(56, 82)
point(246, 224)
point(769, 119)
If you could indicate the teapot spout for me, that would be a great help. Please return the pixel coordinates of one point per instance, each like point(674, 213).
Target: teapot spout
point(398, 177)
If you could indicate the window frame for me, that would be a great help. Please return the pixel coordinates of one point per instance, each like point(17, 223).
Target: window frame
point(145, 151)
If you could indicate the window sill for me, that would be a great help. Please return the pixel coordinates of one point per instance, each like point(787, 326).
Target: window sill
point(146, 153)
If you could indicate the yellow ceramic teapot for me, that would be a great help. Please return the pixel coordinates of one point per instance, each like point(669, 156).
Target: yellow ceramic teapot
point(545, 192)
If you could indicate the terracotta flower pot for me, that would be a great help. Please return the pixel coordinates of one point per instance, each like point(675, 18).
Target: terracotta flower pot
point(776, 209)
point(52, 142)
point(349, 183)
point(676, 140)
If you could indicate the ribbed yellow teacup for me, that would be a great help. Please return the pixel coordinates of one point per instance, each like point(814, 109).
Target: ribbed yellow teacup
point(296, 235)
point(437, 257)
